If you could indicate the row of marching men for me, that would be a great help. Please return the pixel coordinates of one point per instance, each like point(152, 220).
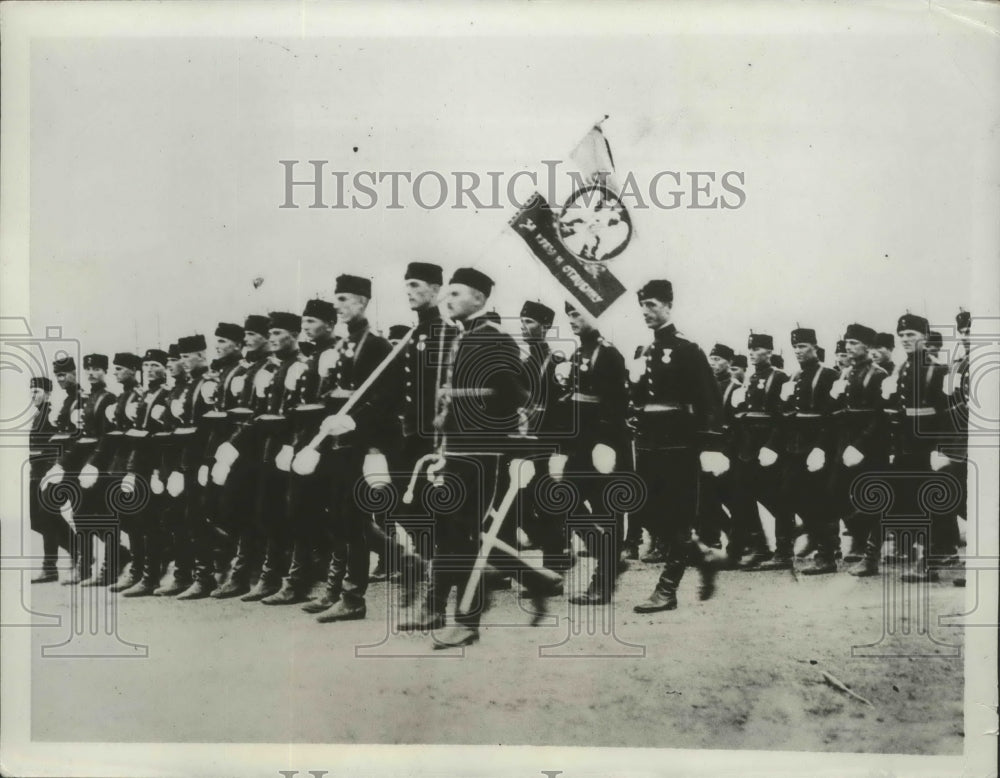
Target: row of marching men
point(274, 458)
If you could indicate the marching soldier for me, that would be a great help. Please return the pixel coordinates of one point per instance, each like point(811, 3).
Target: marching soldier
point(738, 367)
point(862, 445)
point(717, 491)
point(238, 458)
point(758, 420)
point(808, 449)
point(80, 458)
point(841, 357)
point(113, 454)
point(147, 411)
point(361, 438)
point(596, 392)
point(679, 424)
point(923, 428)
point(45, 521)
point(885, 344)
point(305, 504)
point(480, 404)
point(958, 384)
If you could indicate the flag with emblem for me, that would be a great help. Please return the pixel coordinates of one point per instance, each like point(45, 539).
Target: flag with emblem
point(577, 240)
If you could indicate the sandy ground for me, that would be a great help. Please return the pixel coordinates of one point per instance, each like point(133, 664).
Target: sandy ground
point(742, 671)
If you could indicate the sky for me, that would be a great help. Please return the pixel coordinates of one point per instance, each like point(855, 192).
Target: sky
point(868, 149)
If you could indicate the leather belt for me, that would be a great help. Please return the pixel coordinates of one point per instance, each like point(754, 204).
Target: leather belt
point(471, 392)
point(34, 453)
point(185, 430)
point(339, 393)
point(270, 417)
point(578, 397)
point(803, 415)
point(755, 415)
point(310, 407)
point(60, 436)
point(87, 441)
point(136, 433)
point(664, 407)
point(214, 415)
point(921, 411)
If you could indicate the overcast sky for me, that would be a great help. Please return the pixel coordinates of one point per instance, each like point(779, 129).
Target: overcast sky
point(869, 157)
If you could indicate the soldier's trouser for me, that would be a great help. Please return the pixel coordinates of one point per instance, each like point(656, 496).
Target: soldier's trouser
point(236, 516)
point(763, 486)
point(199, 534)
point(844, 499)
point(348, 523)
point(919, 491)
point(806, 494)
point(538, 514)
point(412, 517)
point(716, 491)
point(604, 532)
point(270, 517)
point(748, 531)
point(46, 521)
point(671, 480)
point(306, 515)
point(149, 523)
point(173, 520)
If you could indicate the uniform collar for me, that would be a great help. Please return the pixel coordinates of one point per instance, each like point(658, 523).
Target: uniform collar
point(356, 328)
point(665, 333)
point(429, 315)
point(256, 356)
point(228, 360)
point(325, 341)
point(590, 337)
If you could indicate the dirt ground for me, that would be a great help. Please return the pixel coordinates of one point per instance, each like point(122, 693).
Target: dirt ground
point(741, 671)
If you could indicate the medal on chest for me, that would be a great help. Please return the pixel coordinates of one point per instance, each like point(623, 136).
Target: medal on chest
point(667, 353)
point(421, 343)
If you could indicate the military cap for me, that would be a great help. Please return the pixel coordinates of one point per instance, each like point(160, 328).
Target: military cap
point(173, 351)
point(934, 339)
point(885, 340)
point(41, 382)
point(256, 323)
point(233, 332)
point(471, 277)
point(760, 340)
point(740, 360)
point(320, 309)
point(492, 316)
point(841, 347)
point(155, 355)
point(821, 353)
point(95, 360)
point(397, 331)
point(659, 289)
point(963, 320)
point(860, 333)
point(281, 320)
point(127, 359)
point(803, 335)
point(722, 350)
point(190, 344)
point(777, 360)
point(538, 312)
point(63, 365)
point(424, 271)
point(910, 321)
point(307, 347)
point(353, 285)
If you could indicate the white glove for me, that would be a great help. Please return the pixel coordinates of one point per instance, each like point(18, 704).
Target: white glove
point(603, 458)
point(767, 457)
point(852, 457)
point(562, 372)
point(175, 484)
point(787, 389)
point(305, 461)
point(557, 466)
point(338, 424)
point(889, 387)
point(54, 476)
point(227, 454)
point(636, 369)
point(738, 397)
point(816, 460)
point(284, 459)
point(203, 475)
point(88, 476)
point(714, 462)
point(838, 388)
point(376, 471)
point(939, 460)
point(220, 472)
point(128, 483)
point(155, 484)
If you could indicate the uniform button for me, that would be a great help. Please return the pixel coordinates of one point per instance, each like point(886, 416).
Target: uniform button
point(409, 399)
point(407, 368)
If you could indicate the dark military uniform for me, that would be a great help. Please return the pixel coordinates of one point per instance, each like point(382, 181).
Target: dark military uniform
point(167, 450)
point(757, 424)
point(679, 409)
point(809, 427)
point(215, 428)
point(45, 518)
point(597, 398)
point(717, 491)
point(93, 516)
point(860, 423)
point(342, 462)
point(144, 457)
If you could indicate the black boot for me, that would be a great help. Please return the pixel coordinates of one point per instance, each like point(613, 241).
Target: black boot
point(664, 596)
point(868, 565)
point(349, 607)
point(286, 595)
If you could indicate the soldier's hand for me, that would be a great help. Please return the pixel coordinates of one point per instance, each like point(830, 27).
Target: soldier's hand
point(220, 472)
point(175, 484)
point(816, 460)
point(338, 424)
point(938, 461)
point(603, 458)
point(203, 475)
point(88, 476)
point(284, 459)
point(714, 462)
point(852, 457)
point(889, 387)
point(128, 483)
point(227, 454)
point(155, 484)
point(53, 476)
point(376, 471)
point(557, 465)
point(767, 457)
